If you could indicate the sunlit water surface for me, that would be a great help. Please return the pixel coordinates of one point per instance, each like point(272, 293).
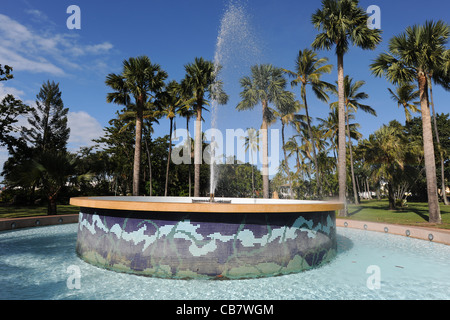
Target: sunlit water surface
point(38, 263)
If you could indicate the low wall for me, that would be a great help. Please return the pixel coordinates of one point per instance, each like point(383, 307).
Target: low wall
point(423, 233)
point(38, 221)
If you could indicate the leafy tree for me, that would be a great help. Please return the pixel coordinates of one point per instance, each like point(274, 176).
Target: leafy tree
point(43, 163)
point(117, 145)
point(412, 56)
point(341, 22)
point(48, 121)
point(10, 110)
point(143, 81)
point(385, 152)
point(5, 73)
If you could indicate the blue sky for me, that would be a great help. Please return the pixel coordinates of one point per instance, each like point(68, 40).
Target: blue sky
point(35, 40)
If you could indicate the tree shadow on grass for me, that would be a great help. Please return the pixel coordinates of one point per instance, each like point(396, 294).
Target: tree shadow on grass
point(421, 212)
point(351, 213)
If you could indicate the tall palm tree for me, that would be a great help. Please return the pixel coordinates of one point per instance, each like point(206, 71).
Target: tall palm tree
point(187, 111)
point(352, 97)
point(413, 55)
point(405, 95)
point(308, 71)
point(342, 22)
point(445, 70)
point(287, 115)
point(171, 101)
point(265, 85)
point(251, 144)
point(141, 80)
point(151, 115)
point(201, 82)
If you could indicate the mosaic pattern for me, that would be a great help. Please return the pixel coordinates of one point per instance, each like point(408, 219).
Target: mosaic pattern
point(206, 245)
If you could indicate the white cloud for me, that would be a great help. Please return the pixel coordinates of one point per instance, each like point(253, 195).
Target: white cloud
point(26, 49)
point(9, 90)
point(83, 128)
point(20, 63)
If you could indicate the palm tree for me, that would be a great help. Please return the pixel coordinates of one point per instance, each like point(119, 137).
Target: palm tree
point(342, 22)
point(251, 144)
point(443, 71)
point(412, 56)
point(352, 97)
point(201, 79)
point(151, 115)
point(331, 128)
point(266, 85)
point(287, 115)
point(308, 71)
point(171, 101)
point(404, 95)
point(141, 80)
point(187, 111)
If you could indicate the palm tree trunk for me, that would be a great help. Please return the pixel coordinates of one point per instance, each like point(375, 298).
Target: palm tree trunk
point(286, 166)
point(342, 168)
point(168, 158)
point(265, 157)
point(190, 154)
point(355, 192)
point(198, 150)
point(444, 194)
point(313, 146)
point(391, 197)
point(149, 168)
point(51, 208)
point(137, 152)
point(430, 165)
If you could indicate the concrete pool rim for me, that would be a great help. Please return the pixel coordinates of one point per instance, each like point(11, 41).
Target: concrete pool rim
point(185, 204)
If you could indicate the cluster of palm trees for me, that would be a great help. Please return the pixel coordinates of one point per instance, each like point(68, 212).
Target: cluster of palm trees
point(141, 88)
point(416, 56)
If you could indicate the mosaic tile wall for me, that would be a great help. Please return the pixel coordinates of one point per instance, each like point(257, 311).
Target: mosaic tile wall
point(206, 245)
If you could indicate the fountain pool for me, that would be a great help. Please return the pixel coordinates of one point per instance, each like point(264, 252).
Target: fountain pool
point(34, 264)
point(186, 238)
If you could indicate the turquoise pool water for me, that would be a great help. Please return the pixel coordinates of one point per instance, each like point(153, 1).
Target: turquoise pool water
point(40, 263)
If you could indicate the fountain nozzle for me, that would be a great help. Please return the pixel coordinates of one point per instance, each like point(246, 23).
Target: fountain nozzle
point(211, 197)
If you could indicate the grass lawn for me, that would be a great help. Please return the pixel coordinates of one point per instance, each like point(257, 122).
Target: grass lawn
point(30, 211)
point(415, 214)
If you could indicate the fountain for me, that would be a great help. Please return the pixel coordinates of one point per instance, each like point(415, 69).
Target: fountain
point(207, 238)
point(185, 238)
point(237, 49)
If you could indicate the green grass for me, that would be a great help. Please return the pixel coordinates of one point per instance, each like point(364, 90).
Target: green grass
point(415, 214)
point(31, 211)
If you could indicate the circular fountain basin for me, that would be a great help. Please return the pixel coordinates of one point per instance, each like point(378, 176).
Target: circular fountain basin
point(191, 238)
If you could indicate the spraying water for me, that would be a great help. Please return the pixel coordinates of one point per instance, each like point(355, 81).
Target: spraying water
point(236, 50)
